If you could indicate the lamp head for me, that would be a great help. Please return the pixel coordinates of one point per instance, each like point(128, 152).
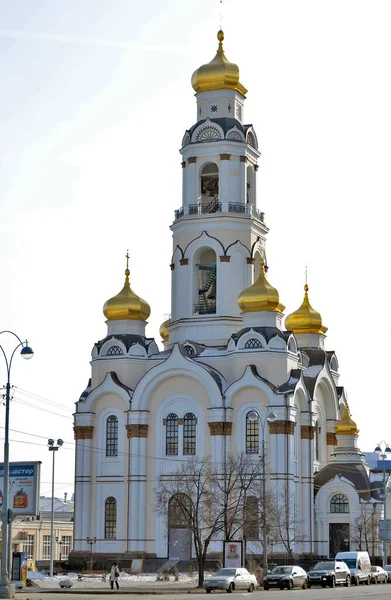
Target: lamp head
point(271, 417)
point(27, 352)
point(387, 450)
point(60, 442)
point(253, 415)
point(378, 449)
point(50, 442)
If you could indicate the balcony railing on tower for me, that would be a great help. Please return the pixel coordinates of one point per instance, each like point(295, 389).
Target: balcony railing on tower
point(216, 206)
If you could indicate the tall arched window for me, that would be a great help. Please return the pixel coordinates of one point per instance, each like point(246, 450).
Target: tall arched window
point(111, 518)
point(251, 519)
point(112, 436)
point(316, 442)
point(172, 434)
point(252, 435)
point(189, 434)
point(339, 504)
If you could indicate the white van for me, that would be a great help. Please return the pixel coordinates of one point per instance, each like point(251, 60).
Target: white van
point(359, 565)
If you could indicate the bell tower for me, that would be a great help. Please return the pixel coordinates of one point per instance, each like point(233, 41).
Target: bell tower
point(218, 232)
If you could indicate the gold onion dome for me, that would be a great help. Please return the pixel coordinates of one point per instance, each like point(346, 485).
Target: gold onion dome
point(305, 319)
point(260, 296)
point(126, 304)
point(346, 426)
point(163, 330)
point(218, 74)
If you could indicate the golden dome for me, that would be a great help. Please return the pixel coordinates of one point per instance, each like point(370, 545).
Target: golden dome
point(260, 296)
point(163, 330)
point(126, 304)
point(346, 426)
point(218, 74)
point(305, 319)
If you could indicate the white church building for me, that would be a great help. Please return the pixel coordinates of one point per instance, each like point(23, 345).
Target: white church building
point(227, 350)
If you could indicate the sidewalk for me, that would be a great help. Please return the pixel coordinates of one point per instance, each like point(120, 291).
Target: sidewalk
point(84, 588)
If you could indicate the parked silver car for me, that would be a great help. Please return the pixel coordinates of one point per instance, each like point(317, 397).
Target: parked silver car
point(387, 569)
point(378, 575)
point(230, 580)
point(285, 577)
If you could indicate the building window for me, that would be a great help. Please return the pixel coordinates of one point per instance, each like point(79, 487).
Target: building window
point(189, 434)
point(46, 547)
point(65, 546)
point(114, 351)
point(252, 435)
point(111, 518)
point(316, 442)
point(189, 350)
point(251, 519)
point(28, 546)
point(112, 436)
point(253, 343)
point(339, 504)
point(172, 434)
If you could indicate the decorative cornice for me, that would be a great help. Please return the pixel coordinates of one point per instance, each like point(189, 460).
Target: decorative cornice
point(183, 163)
point(331, 438)
point(282, 427)
point(225, 258)
point(308, 432)
point(256, 167)
point(83, 432)
point(250, 261)
point(221, 428)
point(225, 157)
point(137, 431)
point(172, 266)
point(243, 158)
point(191, 159)
point(183, 262)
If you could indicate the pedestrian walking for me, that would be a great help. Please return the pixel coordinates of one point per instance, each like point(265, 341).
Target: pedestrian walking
point(114, 575)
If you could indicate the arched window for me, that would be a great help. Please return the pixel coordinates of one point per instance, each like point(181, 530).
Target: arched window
point(317, 433)
point(253, 343)
point(114, 351)
point(172, 434)
point(179, 511)
point(189, 434)
point(251, 519)
point(112, 436)
point(111, 518)
point(339, 504)
point(205, 282)
point(252, 435)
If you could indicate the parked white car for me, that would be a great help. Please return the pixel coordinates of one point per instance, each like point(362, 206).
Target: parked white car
point(230, 580)
point(387, 569)
point(378, 575)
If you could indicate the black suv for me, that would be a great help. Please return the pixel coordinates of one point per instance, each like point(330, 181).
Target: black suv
point(331, 572)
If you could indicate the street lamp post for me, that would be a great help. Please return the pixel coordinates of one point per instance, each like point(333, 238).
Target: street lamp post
point(26, 352)
point(254, 415)
point(53, 447)
point(91, 542)
point(383, 449)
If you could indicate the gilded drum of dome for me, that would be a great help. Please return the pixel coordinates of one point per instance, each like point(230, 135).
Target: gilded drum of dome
point(126, 305)
point(260, 296)
point(163, 330)
point(219, 74)
point(346, 426)
point(305, 319)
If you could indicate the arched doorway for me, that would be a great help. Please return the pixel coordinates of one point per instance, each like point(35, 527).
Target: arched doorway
point(179, 527)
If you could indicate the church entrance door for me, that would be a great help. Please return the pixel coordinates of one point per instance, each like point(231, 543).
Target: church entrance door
point(179, 544)
point(339, 535)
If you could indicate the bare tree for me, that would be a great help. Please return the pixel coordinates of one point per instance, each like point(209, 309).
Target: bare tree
point(365, 528)
point(287, 521)
point(195, 502)
point(211, 500)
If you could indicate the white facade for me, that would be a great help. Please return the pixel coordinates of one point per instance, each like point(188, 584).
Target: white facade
point(218, 363)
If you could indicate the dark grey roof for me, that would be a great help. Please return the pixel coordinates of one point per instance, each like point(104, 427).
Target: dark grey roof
point(267, 332)
point(289, 386)
point(225, 123)
point(86, 392)
point(128, 339)
point(357, 474)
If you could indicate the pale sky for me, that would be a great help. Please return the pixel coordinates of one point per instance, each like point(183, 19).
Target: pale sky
point(95, 99)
